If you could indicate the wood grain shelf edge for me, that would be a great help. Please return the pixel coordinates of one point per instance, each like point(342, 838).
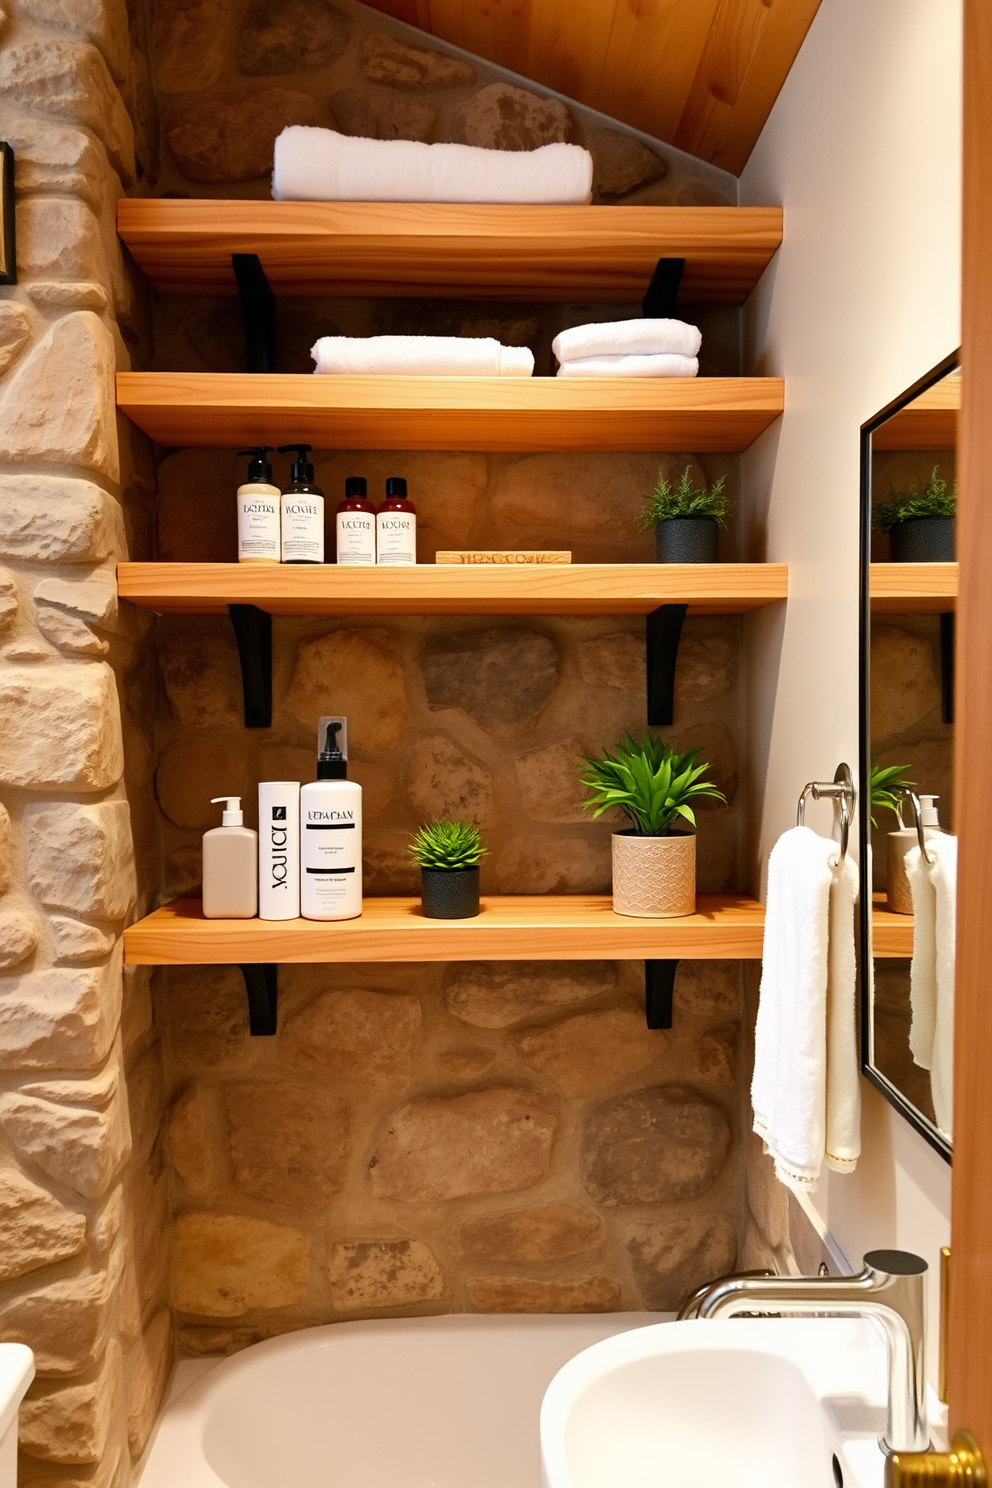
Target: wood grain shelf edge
point(913, 588)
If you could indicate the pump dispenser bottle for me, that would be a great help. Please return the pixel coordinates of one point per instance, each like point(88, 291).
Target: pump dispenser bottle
point(258, 511)
point(230, 865)
point(396, 526)
point(302, 511)
point(331, 832)
point(356, 524)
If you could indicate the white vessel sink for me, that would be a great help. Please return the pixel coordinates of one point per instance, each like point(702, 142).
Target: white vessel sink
point(16, 1374)
point(735, 1403)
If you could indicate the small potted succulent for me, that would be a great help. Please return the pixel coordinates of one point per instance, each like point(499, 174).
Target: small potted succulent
point(920, 524)
point(888, 784)
point(686, 518)
point(449, 853)
point(654, 867)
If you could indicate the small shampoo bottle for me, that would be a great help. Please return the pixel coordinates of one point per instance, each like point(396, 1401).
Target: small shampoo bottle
point(230, 865)
point(356, 525)
point(396, 526)
point(302, 511)
point(258, 511)
point(331, 832)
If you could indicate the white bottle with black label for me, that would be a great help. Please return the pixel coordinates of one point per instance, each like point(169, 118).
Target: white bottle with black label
point(331, 832)
point(278, 849)
point(396, 526)
point(259, 535)
point(302, 511)
point(355, 525)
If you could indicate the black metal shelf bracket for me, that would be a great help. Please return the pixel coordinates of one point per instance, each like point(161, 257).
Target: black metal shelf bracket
point(253, 633)
point(947, 666)
point(663, 291)
point(664, 632)
point(659, 992)
point(262, 987)
point(258, 311)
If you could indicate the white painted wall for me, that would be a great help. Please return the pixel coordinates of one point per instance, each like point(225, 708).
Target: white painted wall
point(863, 151)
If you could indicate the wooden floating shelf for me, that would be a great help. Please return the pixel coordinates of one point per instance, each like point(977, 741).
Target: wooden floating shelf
point(437, 250)
point(913, 588)
point(579, 927)
point(480, 589)
point(930, 422)
point(217, 410)
point(891, 933)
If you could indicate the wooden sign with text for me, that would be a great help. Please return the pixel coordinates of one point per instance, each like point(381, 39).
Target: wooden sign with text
point(486, 555)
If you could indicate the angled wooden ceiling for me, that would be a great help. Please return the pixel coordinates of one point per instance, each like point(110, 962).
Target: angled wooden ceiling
point(699, 74)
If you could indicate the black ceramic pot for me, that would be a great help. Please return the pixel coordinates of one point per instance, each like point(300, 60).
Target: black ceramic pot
point(687, 540)
point(923, 540)
point(449, 893)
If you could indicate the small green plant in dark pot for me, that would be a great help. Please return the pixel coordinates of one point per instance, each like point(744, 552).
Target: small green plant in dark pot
point(449, 853)
point(654, 866)
point(920, 524)
point(686, 518)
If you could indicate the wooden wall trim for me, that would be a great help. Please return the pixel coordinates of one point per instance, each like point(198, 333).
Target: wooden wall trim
point(970, 1362)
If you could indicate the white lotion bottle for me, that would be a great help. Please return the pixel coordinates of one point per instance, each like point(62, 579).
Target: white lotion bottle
point(302, 511)
point(396, 526)
point(259, 526)
point(331, 832)
point(278, 850)
point(230, 865)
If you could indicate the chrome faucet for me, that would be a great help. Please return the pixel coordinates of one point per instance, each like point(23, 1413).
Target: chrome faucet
point(891, 1288)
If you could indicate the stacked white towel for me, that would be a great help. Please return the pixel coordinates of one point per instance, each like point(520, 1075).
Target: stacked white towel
point(806, 1086)
point(322, 165)
point(629, 348)
point(931, 994)
point(420, 356)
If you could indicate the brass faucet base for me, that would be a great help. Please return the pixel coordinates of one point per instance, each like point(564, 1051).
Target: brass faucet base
point(962, 1467)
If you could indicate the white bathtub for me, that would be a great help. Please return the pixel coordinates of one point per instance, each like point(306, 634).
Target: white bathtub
point(437, 1402)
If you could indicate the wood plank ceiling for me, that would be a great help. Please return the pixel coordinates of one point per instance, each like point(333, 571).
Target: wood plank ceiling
point(700, 74)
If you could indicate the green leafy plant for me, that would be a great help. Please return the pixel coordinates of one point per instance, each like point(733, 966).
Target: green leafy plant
point(887, 782)
point(650, 782)
point(448, 845)
point(937, 499)
point(668, 501)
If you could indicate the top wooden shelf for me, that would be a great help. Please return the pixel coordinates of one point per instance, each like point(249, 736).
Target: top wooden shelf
point(930, 422)
point(542, 927)
point(913, 588)
point(438, 251)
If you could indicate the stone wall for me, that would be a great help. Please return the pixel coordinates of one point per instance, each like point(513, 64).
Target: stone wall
point(83, 1215)
point(435, 1138)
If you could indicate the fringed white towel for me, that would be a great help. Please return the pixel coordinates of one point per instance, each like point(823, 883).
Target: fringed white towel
point(931, 1034)
point(627, 338)
point(805, 1090)
point(421, 356)
point(630, 366)
point(322, 165)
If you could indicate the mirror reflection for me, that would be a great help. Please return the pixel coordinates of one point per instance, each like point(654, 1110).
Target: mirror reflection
point(909, 490)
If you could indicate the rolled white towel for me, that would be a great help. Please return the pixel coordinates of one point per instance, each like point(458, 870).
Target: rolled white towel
point(424, 356)
point(628, 338)
point(322, 165)
point(631, 366)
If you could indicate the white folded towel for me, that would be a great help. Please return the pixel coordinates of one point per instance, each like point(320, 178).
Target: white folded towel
point(931, 985)
point(805, 1090)
point(630, 366)
point(628, 338)
point(322, 165)
point(421, 356)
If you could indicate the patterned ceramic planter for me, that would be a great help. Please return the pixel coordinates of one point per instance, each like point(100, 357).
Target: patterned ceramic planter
point(687, 540)
point(923, 540)
point(654, 877)
point(449, 893)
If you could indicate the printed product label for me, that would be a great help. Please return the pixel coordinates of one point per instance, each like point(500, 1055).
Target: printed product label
point(302, 530)
point(396, 538)
point(356, 537)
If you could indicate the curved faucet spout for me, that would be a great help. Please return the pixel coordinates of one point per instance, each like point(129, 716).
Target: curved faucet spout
point(891, 1288)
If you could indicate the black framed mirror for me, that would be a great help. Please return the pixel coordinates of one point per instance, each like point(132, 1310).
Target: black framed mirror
point(908, 594)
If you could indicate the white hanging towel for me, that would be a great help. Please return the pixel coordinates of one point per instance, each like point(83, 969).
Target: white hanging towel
point(421, 356)
point(805, 1090)
point(931, 994)
point(645, 337)
point(321, 165)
